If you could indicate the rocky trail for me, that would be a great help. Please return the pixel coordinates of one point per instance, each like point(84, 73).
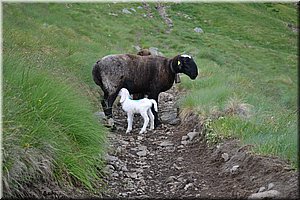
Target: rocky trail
point(174, 161)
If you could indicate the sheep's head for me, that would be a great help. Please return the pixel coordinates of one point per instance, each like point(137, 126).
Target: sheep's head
point(123, 93)
point(186, 64)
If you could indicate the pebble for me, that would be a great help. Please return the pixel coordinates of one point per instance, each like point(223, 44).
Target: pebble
point(188, 185)
point(192, 135)
point(115, 174)
point(142, 153)
point(111, 159)
point(184, 142)
point(261, 189)
point(271, 186)
point(234, 168)
point(140, 137)
point(166, 143)
point(124, 169)
point(180, 159)
point(185, 137)
point(198, 30)
point(170, 179)
point(225, 156)
point(126, 11)
point(131, 175)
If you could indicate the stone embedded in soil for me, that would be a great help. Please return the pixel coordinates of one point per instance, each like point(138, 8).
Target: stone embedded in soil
point(225, 156)
point(261, 189)
point(185, 137)
point(234, 169)
point(271, 186)
point(184, 142)
point(131, 175)
point(266, 194)
point(111, 159)
point(165, 144)
point(188, 185)
point(142, 153)
point(192, 135)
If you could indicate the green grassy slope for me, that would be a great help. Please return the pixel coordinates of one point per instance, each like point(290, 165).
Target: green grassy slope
point(247, 54)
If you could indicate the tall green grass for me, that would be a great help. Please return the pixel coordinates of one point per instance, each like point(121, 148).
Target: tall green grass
point(249, 55)
point(48, 128)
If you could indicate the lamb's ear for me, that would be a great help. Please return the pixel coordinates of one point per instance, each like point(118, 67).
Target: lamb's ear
point(123, 97)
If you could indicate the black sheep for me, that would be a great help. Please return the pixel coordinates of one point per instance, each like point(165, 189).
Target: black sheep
point(148, 75)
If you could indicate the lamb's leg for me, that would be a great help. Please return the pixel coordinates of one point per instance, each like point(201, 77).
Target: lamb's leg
point(146, 121)
point(129, 120)
point(151, 116)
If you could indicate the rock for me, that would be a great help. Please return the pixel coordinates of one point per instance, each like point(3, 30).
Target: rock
point(142, 148)
point(142, 153)
point(124, 169)
point(115, 174)
point(111, 159)
point(154, 51)
point(185, 137)
point(184, 142)
point(188, 185)
point(131, 175)
point(100, 115)
point(113, 14)
point(271, 186)
point(261, 189)
point(192, 135)
point(165, 144)
point(177, 167)
point(133, 9)
point(170, 179)
point(234, 169)
point(180, 159)
point(198, 30)
point(169, 118)
point(266, 194)
point(225, 156)
point(126, 11)
point(140, 137)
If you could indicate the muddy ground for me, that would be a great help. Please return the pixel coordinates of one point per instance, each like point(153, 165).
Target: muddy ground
point(174, 161)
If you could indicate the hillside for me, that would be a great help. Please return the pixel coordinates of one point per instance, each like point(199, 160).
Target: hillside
point(246, 88)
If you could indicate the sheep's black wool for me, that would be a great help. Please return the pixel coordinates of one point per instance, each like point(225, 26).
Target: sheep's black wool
point(148, 75)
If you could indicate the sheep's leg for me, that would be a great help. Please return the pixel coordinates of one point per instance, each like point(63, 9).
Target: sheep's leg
point(129, 120)
point(108, 111)
point(146, 121)
point(151, 116)
point(104, 104)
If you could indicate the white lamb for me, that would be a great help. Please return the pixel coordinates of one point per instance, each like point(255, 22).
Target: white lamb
point(142, 106)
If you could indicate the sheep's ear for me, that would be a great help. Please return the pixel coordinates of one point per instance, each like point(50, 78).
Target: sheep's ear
point(179, 64)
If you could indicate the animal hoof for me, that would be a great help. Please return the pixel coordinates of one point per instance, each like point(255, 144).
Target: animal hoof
point(128, 131)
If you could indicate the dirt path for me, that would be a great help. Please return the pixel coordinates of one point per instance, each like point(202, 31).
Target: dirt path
point(166, 163)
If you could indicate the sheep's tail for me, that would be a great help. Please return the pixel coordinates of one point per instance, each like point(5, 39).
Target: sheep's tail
point(155, 104)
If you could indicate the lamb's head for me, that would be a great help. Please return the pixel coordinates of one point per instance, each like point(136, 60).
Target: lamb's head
point(123, 93)
point(185, 64)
